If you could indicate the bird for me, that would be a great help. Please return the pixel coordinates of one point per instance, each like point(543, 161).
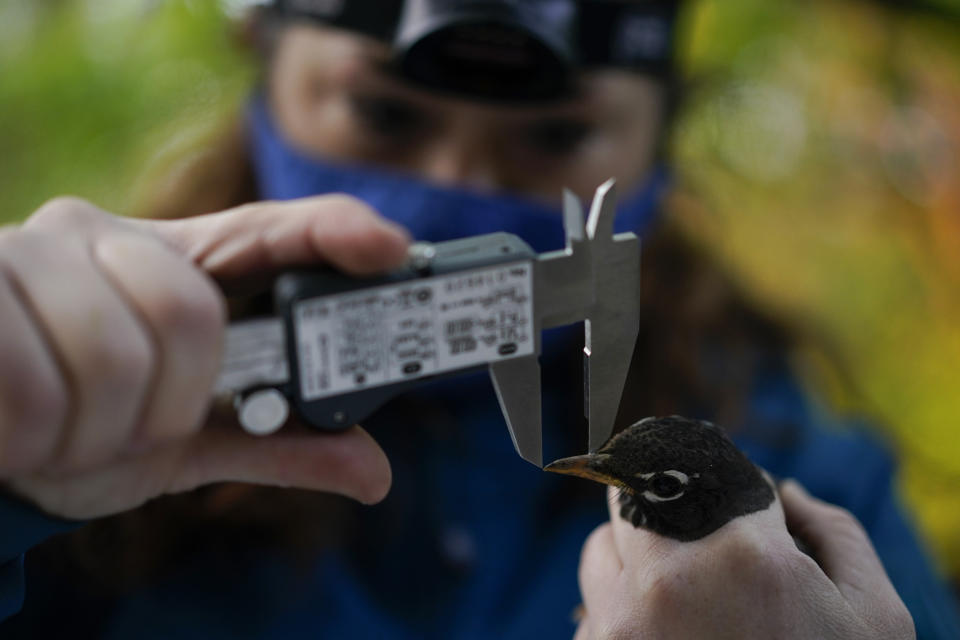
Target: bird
point(678, 477)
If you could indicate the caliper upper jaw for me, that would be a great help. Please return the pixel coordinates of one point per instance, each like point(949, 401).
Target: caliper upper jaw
point(595, 279)
point(613, 322)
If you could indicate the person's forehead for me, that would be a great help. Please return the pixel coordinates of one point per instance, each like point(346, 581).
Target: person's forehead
point(506, 35)
point(361, 63)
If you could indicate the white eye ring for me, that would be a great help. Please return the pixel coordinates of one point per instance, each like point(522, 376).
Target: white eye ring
point(680, 476)
point(652, 497)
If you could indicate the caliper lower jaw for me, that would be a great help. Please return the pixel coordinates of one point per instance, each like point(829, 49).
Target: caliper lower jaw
point(517, 383)
point(596, 278)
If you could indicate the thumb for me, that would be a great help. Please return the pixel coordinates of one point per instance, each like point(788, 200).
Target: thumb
point(838, 542)
point(349, 463)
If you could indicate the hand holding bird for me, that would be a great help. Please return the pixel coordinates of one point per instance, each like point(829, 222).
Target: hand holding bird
point(698, 546)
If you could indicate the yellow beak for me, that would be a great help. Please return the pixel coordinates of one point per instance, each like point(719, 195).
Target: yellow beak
point(585, 466)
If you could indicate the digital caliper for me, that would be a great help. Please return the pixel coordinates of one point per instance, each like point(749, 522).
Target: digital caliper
point(339, 347)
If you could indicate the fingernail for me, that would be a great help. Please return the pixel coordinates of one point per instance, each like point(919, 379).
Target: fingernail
point(401, 247)
point(401, 232)
point(793, 485)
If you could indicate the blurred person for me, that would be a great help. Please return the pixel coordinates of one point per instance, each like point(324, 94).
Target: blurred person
point(111, 344)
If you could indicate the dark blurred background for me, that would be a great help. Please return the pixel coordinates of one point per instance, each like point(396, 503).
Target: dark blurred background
point(818, 158)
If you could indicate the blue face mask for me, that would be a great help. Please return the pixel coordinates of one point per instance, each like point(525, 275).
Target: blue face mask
point(429, 212)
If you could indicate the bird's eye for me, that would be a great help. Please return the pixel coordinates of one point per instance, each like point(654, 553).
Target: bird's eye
point(665, 486)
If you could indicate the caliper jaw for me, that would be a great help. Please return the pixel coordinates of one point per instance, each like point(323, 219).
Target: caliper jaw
point(517, 383)
point(612, 324)
point(596, 279)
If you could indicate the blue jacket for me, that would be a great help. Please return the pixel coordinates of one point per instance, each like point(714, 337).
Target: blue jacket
point(472, 542)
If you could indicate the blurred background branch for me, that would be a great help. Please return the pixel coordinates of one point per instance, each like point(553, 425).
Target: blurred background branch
point(818, 159)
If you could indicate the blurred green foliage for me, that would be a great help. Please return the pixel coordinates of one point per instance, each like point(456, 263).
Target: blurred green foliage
point(92, 91)
point(818, 159)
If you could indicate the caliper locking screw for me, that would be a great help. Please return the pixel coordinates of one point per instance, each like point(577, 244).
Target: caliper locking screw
point(420, 256)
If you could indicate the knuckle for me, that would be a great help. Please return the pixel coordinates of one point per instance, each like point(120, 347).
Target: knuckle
point(63, 212)
point(33, 399)
point(124, 357)
point(354, 214)
point(900, 621)
point(742, 548)
point(23, 248)
point(753, 561)
point(8, 235)
point(617, 628)
point(904, 627)
point(842, 523)
point(667, 596)
point(594, 541)
point(346, 203)
point(768, 575)
point(198, 310)
point(15, 242)
point(591, 548)
point(841, 517)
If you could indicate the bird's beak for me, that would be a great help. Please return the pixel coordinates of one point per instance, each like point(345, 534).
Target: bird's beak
point(589, 466)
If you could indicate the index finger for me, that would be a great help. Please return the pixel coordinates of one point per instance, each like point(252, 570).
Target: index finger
point(839, 542)
point(334, 229)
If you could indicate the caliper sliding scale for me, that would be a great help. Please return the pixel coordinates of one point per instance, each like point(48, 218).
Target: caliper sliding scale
point(340, 347)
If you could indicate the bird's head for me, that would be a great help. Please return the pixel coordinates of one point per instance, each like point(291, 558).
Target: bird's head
point(678, 477)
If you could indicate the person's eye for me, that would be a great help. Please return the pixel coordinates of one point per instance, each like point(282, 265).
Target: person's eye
point(558, 136)
point(389, 117)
